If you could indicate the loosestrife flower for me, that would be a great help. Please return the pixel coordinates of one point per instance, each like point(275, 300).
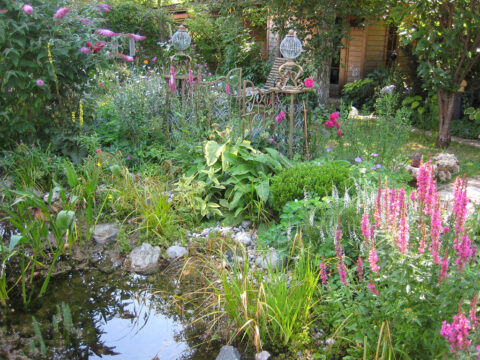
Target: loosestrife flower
point(372, 289)
point(443, 273)
point(360, 269)
point(457, 332)
point(86, 22)
point(464, 251)
point(85, 50)
point(227, 89)
point(61, 13)
point(366, 230)
point(342, 271)
point(323, 273)
point(435, 231)
point(154, 59)
point(373, 259)
point(271, 140)
point(460, 204)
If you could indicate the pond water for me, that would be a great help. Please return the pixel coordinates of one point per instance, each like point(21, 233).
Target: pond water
point(114, 315)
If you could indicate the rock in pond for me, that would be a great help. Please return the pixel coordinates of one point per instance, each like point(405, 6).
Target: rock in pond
point(144, 259)
point(105, 233)
point(175, 251)
point(264, 355)
point(228, 353)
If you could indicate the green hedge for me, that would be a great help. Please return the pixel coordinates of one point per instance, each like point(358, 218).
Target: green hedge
point(310, 177)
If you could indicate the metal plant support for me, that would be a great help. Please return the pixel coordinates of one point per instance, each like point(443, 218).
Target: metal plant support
point(261, 105)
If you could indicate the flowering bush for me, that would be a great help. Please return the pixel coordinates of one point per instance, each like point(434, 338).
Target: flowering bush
point(419, 265)
point(46, 64)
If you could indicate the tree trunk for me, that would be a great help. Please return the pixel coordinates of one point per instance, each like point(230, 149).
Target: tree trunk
point(323, 81)
point(445, 111)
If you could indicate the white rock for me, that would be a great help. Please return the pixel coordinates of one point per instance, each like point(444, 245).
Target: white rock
point(174, 252)
point(243, 238)
point(105, 233)
point(144, 258)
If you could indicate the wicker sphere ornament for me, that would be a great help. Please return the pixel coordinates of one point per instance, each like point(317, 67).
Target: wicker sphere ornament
point(181, 39)
point(291, 46)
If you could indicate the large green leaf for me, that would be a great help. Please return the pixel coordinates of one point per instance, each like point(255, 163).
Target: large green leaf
point(263, 189)
point(213, 151)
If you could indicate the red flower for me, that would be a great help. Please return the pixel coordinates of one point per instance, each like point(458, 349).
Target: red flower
point(334, 116)
point(329, 124)
point(308, 83)
point(340, 132)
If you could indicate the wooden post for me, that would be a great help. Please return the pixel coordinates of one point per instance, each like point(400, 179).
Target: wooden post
point(290, 136)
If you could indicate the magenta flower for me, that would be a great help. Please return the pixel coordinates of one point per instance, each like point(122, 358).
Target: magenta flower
point(106, 32)
point(457, 332)
point(334, 116)
point(373, 259)
point(104, 7)
point(85, 50)
point(227, 89)
point(342, 270)
point(443, 267)
point(329, 124)
point(366, 230)
point(309, 83)
point(270, 140)
point(280, 117)
point(464, 251)
point(323, 273)
point(127, 58)
point(360, 269)
point(40, 82)
point(154, 59)
point(371, 288)
point(61, 13)
point(137, 37)
point(27, 9)
point(209, 74)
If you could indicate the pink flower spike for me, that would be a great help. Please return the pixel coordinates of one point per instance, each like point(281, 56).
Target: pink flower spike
point(227, 89)
point(373, 259)
point(106, 32)
point(27, 9)
point(371, 288)
point(137, 37)
point(360, 269)
point(85, 50)
point(270, 140)
point(323, 273)
point(457, 332)
point(61, 13)
point(329, 124)
point(40, 82)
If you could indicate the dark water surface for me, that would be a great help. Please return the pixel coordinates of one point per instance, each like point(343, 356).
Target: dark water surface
point(116, 315)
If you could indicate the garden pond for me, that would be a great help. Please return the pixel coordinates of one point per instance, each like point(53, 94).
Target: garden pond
point(98, 312)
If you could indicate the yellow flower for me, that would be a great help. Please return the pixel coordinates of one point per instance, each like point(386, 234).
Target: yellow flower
point(145, 62)
point(99, 164)
point(80, 117)
point(110, 196)
point(73, 117)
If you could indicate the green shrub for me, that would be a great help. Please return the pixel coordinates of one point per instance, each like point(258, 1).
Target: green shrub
point(311, 177)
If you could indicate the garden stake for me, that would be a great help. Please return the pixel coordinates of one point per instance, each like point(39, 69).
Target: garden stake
point(290, 136)
point(306, 130)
